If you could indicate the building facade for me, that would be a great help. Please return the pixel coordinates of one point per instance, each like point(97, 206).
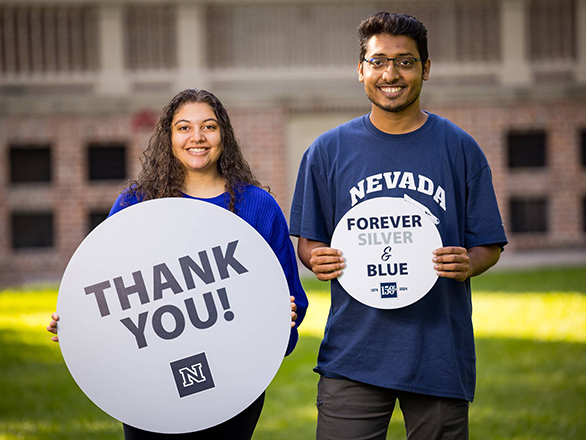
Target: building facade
point(82, 83)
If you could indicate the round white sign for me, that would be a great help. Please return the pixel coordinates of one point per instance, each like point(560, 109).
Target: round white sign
point(174, 315)
point(388, 244)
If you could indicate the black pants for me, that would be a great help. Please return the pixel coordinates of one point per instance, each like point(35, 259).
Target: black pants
point(239, 427)
point(349, 410)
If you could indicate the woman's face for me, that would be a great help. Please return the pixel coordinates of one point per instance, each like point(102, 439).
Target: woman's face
point(196, 138)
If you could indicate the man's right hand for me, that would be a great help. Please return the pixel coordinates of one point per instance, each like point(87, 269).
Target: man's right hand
point(325, 262)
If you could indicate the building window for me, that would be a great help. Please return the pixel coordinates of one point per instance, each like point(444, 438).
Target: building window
point(150, 37)
point(41, 37)
point(32, 230)
point(527, 149)
point(528, 215)
point(97, 217)
point(552, 30)
point(107, 162)
point(30, 163)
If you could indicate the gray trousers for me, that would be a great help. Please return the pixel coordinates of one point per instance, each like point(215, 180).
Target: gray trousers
point(349, 410)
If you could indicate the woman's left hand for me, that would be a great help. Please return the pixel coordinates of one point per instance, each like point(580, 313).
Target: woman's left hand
point(52, 327)
point(293, 311)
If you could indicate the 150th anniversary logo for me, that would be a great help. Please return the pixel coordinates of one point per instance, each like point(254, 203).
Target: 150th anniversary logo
point(174, 315)
point(388, 244)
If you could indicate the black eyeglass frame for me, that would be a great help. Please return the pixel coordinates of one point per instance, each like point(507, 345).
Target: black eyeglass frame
point(388, 60)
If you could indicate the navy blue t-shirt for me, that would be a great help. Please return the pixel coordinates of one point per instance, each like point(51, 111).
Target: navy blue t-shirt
point(427, 347)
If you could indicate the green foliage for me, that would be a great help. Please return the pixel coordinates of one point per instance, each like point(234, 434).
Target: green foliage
point(531, 336)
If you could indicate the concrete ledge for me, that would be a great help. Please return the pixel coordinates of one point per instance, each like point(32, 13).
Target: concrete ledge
point(541, 259)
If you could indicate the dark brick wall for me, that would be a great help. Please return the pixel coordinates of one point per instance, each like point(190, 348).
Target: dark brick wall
point(262, 133)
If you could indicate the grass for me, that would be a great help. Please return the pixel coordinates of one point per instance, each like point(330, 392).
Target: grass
point(531, 345)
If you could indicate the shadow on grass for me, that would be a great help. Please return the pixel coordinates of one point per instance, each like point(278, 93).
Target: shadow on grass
point(40, 400)
point(529, 389)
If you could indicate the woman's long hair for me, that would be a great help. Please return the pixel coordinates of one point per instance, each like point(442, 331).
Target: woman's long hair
point(163, 175)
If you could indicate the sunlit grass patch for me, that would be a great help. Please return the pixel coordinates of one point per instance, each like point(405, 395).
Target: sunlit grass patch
point(556, 316)
point(537, 316)
point(531, 348)
point(317, 314)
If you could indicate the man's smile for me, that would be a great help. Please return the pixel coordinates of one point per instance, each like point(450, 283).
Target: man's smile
point(391, 89)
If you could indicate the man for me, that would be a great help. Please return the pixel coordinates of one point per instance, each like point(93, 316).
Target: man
point(422, 354)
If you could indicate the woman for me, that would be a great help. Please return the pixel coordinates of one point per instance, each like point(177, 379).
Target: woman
point(193, 153)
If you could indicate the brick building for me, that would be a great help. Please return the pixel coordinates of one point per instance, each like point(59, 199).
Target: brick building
point(82, 82)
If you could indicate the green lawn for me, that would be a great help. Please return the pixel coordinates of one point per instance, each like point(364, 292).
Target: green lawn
point(531, 344)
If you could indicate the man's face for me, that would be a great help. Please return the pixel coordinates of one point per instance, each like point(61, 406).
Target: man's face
point(393, 90)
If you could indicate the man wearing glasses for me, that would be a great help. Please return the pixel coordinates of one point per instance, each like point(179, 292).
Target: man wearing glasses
point(422, 354)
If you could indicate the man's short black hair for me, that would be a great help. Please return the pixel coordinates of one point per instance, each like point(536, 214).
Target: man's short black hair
point(393, 24)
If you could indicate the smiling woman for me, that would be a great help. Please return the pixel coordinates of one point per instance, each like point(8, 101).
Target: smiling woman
point(193, 153)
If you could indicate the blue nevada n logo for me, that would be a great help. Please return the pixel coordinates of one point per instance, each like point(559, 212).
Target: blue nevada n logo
point(192, 375)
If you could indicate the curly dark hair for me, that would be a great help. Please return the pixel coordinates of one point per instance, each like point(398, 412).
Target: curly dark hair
point(163, 175)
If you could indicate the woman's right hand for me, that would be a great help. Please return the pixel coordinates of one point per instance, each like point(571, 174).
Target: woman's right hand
point(52, 327)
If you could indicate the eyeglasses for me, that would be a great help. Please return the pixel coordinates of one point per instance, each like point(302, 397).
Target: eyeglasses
point(404, 64)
